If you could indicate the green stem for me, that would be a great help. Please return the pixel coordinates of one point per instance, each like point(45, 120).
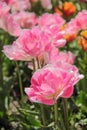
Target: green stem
point(85, 72)
point(65, 109)
point(38, 64)
point(56, 116)
point(34, 67)
point(44, 120)
point(1, 71)
point(2, 106)
point(20, 82)
point(43, 115)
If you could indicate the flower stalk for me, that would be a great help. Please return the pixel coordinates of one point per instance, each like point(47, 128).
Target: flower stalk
point(20, 82)
point(65, 110)
point(44, 121)
point(34, 67)
point(56, 116)
point(1, 71)
point(43, 115)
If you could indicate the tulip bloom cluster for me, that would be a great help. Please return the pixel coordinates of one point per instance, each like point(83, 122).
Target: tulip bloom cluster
point(40, 39)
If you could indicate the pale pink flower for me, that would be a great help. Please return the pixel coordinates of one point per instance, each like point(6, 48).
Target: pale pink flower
point(55, 35)
point(7, 21)
point(78, 23)
point(46, 4)
point(55, 55)
point(6, 1)
point(15, 52)
point(68, 57)
point(50, 20)
point(32, 43)
point(8, 24)
point(19, 5)
point(25, 19)
point(52, 82)
point(4, 9)
point(51, 25)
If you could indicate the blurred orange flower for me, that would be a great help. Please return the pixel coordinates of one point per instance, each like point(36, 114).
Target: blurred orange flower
point(70, 37)
point(64, 26)
point(82, 40)
point(84, 33)
point(69, 8)
point(65, 9)
point(57, 10)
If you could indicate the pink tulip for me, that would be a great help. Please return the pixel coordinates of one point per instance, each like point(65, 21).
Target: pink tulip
point(46, 4)
point(50, 20)
point(32, 43)
point(8, 23)
point(52, 82)
point(57, 55)
point(15, 52)
point(5, 1)
point(4, 9)
point(19, 5)
point(54, 56)
point(25, 19)
point(78, 23)
point(51, 24)
point(68, 57)
point(55, 35)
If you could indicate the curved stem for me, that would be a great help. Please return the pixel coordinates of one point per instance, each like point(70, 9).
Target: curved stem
point(20, 82)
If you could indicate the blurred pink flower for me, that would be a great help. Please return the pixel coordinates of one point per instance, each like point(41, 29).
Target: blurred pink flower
point(7, 21)
point(50, 20)
point(55, 55)
point(4, 9)
point(25, 19)
point(31, 43)
point(8, 24)
point(19, 5)
point(78, 23)
point(6, 1)
point(34, 42)
point(15, 52)
point(51, 25)
point(46, 4)
point(52, 82)
point(55, 35)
